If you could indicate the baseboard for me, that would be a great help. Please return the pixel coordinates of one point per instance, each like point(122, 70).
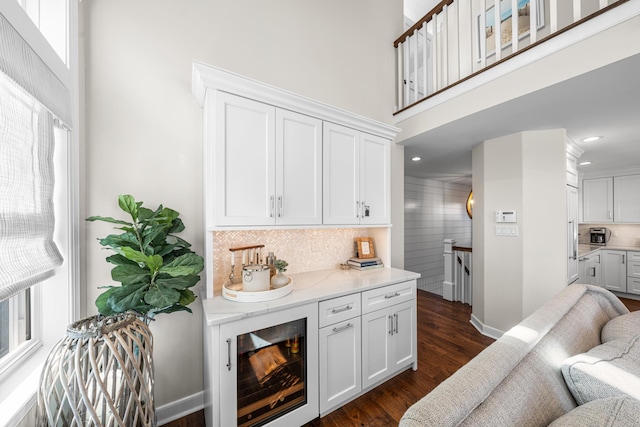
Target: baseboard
point(484, 329)
point(180, 408)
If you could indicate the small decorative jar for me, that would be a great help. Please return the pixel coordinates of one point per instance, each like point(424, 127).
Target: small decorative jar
point(280, 280)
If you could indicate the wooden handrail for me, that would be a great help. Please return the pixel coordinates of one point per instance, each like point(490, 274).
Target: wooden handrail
point(488, 67)
point(426, 18)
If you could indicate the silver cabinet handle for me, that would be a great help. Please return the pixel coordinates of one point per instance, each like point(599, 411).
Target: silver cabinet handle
point(229, 353)
point(343, 328)
point(623, 258)
point(390, 325)
point(280, 207)
point(392, 296)
point(340, 310)
point(395, 318)
point(272, 204)
point(609, 214)
point(357, 209)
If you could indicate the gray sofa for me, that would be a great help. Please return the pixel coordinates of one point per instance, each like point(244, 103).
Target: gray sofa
point(555, 362)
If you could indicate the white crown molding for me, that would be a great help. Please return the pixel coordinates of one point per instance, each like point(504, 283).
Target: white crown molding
point(207, 78)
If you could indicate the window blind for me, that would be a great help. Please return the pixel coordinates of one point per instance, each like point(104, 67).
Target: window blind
point(28, 254)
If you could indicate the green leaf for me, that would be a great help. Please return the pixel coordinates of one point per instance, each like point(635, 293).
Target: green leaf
point(177, 226)
point(130, 297)
point(134, 255)
point(144, 213)
point(130, 274)
point(108, 219)
point(161, 296)
point(128, 204)
point(118, 259)
point(119, 240)
point(154, 262)
point(179, 282)
point(186, 297)
point(174, 308)
point(184, 265)
point(102, 303)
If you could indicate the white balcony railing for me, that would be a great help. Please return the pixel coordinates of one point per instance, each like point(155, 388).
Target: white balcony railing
point(458, 39)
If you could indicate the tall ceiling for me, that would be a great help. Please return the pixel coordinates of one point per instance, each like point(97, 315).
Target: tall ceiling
point(604, 102)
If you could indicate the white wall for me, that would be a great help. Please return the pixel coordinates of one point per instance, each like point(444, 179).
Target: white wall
point(513, 276)
point(144, 128)
point(434, 211)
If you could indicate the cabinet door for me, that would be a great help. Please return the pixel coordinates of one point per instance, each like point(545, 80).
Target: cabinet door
point(244, 158)
point(627, 198)
point(591, 270)
point(340, 356)
point(341, 176)
point(376, 342)
point(375, 180)
point(572, 234)
point(633, 285)
point(298, 169)
point(597, 200)
point(614, 270)
point(404, 336)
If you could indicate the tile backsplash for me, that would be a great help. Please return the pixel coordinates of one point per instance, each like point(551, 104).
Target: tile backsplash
point(303, 249)
point(621, 234)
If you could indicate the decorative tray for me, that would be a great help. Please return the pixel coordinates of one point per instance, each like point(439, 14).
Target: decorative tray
point(234, 292)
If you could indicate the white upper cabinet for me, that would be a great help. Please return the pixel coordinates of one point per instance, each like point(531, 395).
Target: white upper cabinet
point(268, 164)
point(597, 200)
point(298, 169)
point(341, 177)
point(244, 159)
point(375, 180)
point(356, 179)
point(627, 198)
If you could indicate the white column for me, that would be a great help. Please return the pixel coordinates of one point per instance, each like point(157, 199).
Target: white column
point(448, 286)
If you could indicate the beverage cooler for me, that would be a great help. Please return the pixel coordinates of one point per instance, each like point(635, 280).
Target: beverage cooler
point(269, 369)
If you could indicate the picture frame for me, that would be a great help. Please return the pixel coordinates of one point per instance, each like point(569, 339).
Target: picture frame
point(487, 35)
point(365, 248)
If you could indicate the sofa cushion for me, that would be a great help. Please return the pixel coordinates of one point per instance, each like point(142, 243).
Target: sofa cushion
point(622, 327)
point(611, 412)
point(611, 369)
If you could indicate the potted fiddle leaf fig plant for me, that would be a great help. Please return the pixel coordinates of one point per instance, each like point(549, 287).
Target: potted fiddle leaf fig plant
point(155, 267)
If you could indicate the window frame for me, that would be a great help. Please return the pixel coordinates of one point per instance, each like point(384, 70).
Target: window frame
point(58, 302)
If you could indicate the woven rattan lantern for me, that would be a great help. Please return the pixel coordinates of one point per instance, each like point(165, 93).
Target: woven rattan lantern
point(100, 374)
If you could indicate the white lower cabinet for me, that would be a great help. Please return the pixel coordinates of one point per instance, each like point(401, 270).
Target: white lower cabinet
point(614, 270)
point(388, 331)
point(358, 352)
point(633, 272)
point(340, 360)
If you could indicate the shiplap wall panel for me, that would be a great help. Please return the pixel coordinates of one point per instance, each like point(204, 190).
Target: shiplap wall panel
point(434, 211)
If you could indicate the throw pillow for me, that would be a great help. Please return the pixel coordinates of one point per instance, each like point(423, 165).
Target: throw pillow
point(624, 327)
point(611, 412)
point(611, 369)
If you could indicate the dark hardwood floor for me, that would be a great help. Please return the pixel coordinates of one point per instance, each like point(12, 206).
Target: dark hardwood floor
point(446, 341)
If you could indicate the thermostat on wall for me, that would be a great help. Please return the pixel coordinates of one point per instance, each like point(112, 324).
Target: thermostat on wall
point(506, 216)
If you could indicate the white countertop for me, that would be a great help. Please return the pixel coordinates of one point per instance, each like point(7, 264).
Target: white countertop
point(586, 249)
point(308, 287)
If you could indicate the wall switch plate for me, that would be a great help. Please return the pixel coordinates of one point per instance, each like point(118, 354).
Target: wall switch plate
point(507, 230)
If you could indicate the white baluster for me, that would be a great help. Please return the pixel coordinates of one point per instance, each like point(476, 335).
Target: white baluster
point(399, 59)
point(407, 72)
point(533, 20)
point(497, 30)
point(553, 16)
point(577, 10)
point(603, 4)
point(416, 76)
point(482, 34)
point(422, 33)
point(515, 24)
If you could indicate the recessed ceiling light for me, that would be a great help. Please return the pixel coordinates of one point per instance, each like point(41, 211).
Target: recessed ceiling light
point(416, 159)
point(584, 163)
point(591, 138)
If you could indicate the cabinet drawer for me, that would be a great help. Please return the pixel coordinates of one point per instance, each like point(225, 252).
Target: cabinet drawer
point(633, 264)
point(387, 296)
point(338, 309)
point(633, 285)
